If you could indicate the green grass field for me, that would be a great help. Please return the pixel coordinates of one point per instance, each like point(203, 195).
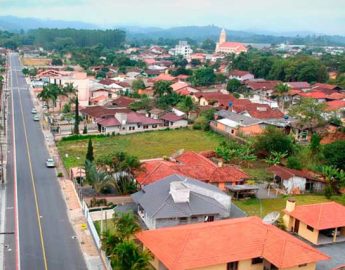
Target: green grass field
point(143, 145)
point(256, 207)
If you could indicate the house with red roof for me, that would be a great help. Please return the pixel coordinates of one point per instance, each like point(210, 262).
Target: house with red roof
point(241, 75)
point(128, 122)
point(296, 181)
point(183, 88)
point(232, 244)
point(303, 86)
point(321, 223)
point(262, 89)
point(163, 77)
point(171, 120)
point(336, 107)
point(215, 99)
point(194, 165)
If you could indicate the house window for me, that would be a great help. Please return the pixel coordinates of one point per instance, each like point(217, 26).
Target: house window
point(183, 220)
point(257, 260)
point(232, 131)
point(310, 228)
point(232, 266)
point(302, 265)
point(209, 218)
point(145, 127)
point(194, 219)
point(154, 126)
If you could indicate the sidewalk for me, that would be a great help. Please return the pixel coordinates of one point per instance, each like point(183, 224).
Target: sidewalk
point(75, 213)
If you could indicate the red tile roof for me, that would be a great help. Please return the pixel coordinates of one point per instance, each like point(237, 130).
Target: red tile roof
point(263, 111)
point(101, 111)
point(134, 117)
point(299, 85)
point(262, 85)
point(239, 73)
point(336, 96)
point(213, 243)
point(320, 216)
point(121, 101)
point(286, 173)
point(109, 122)
point(163, 77)
point(335, 105)
point(222, 99)
point(313, 94)
point(236, 45)
point(190, 164)
point(324, 86)
point(171, 117)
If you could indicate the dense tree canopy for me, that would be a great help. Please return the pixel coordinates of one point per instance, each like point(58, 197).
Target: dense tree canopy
point(275, 67)
point(61, 38)
point(203, 76)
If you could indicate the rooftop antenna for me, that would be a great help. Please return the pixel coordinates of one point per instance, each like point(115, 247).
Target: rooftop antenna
point(271, 218)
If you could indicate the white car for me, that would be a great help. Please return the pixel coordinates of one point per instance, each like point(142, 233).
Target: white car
point(50, 163)
point(33, 111)
point(36, 117)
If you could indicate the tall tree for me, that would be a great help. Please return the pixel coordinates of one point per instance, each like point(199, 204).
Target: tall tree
point(89, 153)
point(76, 116)
point(162, 88)
point(308, 113)
point(281, 90)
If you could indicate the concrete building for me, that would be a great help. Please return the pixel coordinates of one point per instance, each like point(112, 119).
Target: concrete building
point(226, 47)
point(180, 200)
point(232, 244)
point(182, 48)
point(321, 223)
point(296, 181)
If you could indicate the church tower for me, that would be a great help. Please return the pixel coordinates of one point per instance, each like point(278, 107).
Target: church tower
point(222, 37)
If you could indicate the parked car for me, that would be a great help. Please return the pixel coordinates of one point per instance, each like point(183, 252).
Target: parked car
point(36, 117)
point(50, 163)
point(33, 111)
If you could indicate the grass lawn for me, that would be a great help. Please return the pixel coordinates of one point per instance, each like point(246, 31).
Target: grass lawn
point(258, 170)
point(36, 61)
point(143, 145)
point(253, 207)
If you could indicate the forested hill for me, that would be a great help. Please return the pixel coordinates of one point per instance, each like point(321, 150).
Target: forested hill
point(200, 33)
point(64, 38)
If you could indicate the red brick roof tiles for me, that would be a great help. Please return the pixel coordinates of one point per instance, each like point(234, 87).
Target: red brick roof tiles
point(320, 216)
point(213, 243)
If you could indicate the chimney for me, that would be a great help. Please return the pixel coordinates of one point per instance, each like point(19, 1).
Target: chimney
point(179, 192)
point(290, 205)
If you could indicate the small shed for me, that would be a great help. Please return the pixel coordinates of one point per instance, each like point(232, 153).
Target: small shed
point(242, 191)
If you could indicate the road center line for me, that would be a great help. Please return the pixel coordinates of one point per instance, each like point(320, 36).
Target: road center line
point(33, 185)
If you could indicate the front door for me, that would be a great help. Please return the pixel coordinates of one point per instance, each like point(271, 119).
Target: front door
point(296, 227)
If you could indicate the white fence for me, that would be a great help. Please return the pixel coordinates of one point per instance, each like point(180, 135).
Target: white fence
point(95, 235)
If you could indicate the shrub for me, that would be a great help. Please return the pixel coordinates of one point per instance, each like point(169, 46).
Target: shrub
point(273, 140)
point(294, 163)
point(60, 174)
point(334, 154)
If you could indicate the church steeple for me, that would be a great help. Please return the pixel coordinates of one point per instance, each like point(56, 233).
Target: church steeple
point(222, 37)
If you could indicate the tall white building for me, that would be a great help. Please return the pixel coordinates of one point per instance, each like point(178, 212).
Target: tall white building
point(182, 48)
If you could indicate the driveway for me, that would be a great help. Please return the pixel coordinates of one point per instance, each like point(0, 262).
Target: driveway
point(337, 254)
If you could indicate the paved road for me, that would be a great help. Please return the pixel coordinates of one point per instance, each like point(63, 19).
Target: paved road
point(45, 234)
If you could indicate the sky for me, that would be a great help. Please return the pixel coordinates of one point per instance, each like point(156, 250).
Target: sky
point(318, 16)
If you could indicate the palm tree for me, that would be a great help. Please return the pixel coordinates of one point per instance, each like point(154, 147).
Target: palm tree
point(281, 90)
point(128, 256)
point(50, 92)
point(96, 178)
point(126, 225)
